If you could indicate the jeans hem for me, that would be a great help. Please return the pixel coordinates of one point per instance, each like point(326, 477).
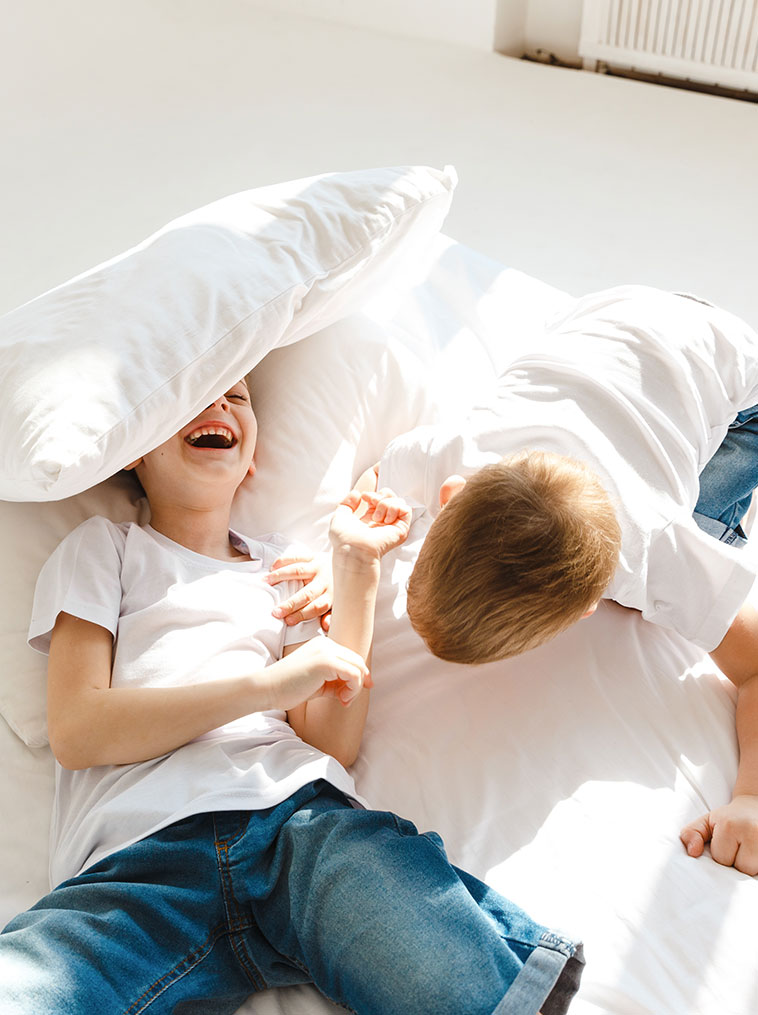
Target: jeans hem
point(720, 530)
point(551, 973)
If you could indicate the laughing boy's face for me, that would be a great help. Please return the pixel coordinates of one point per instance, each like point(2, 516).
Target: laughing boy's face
point(216, 447)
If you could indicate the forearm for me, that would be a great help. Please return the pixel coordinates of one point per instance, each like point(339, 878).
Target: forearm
point(732, 828)
point(116, 726)
point(356, 582)
point(747, 736)
point(737, 657)
point(324, 722)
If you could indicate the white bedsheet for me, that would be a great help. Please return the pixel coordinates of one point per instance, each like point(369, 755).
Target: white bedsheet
point(561, 777)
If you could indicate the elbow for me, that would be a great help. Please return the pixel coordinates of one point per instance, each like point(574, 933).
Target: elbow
point(69, 750)
point(67, 758)
point(346, 755)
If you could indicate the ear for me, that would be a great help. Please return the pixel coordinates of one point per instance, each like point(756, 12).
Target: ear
point(451, 486)
point(251, 468)
point(590, 611)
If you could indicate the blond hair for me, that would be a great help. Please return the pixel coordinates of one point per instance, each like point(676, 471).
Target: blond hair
point(525, 549)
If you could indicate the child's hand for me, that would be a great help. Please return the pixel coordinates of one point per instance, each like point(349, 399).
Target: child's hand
point(370, 523)
point(318, 668)
point(732, 831)
point(315, 597)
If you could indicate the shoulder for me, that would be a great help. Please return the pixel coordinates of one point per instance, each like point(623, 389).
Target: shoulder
point(99, 531)
point(99, 525)
point(96, 542)
point(695, 583)
point(405, 461)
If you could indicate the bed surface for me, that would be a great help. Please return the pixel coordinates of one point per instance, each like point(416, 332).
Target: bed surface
point(591, 752)
point(561, 777)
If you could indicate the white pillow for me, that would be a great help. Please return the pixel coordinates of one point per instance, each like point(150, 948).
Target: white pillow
point(103, 368)
point(326, 408)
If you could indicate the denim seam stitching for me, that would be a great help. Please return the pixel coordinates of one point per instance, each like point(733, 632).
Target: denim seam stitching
point(191, 959)
point(234, 837)
point(236, 925)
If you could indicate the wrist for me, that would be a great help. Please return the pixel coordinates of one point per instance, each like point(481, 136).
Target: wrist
point(259, 688)
point(745, 789)
point(351, 559)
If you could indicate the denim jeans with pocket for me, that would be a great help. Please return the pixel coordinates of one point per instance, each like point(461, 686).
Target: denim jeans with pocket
point(728, 480)
point(197, 917)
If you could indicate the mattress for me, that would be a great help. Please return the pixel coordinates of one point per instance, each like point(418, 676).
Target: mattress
point(561, 777)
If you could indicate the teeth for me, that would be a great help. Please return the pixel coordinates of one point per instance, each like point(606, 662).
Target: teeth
point(221, 431)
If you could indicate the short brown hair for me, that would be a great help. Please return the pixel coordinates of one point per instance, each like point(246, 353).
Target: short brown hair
point(526, 548)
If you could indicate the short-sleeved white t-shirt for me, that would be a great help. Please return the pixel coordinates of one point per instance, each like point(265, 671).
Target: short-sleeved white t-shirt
point(641, 385)
point(177, 617)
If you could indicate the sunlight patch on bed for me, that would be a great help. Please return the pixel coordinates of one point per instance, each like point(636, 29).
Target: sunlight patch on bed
point(607, 867)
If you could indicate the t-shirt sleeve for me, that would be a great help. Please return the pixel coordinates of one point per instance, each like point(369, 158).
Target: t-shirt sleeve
point(81, 577)
point(304, 631)
point(416, 464)
point(695, 584)
point(404, 467)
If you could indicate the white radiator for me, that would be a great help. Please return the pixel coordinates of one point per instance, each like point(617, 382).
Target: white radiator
point(714, 42)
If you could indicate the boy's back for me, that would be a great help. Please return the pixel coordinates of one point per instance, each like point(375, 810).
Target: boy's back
point(641, 386)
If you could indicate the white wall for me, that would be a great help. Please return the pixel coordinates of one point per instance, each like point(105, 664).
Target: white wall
point(512, 27)
point(583, 180)
point(468, 22)
point(509, 26)
point(553, 25)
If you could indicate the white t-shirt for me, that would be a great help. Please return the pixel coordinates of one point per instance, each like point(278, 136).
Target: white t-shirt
point(641, 385)
point(177, 617)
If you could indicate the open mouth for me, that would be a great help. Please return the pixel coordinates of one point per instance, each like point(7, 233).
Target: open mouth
point(211, 437)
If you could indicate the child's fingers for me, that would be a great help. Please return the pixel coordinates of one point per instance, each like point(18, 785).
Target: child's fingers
point(299, 558)
point(345, 688)
point(695, 835)
point(350, 674)
point(392, 512)
point(351, 500)
point(292, 569)
point(301, 607)
point(297, 602)
point(385, 507)
point(351, 688)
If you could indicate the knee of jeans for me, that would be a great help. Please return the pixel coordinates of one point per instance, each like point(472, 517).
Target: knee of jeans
point(435, 982)
point(31, 979)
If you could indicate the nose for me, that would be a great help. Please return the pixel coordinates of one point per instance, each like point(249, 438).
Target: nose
point(222, 402)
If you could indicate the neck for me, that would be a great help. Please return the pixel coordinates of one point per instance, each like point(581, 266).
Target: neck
point(204, 530)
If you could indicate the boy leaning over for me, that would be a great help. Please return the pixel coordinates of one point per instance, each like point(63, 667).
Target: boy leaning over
point(615, 462)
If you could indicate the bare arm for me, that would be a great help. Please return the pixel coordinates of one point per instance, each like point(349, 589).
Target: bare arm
point(90, 723)
point(733, 829)
point(315, 596)
point(737, 658)
point(359, 542)
point(325, 723)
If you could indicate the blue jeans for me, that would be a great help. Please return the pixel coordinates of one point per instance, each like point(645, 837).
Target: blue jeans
point(728, 480)
point(194, 919)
